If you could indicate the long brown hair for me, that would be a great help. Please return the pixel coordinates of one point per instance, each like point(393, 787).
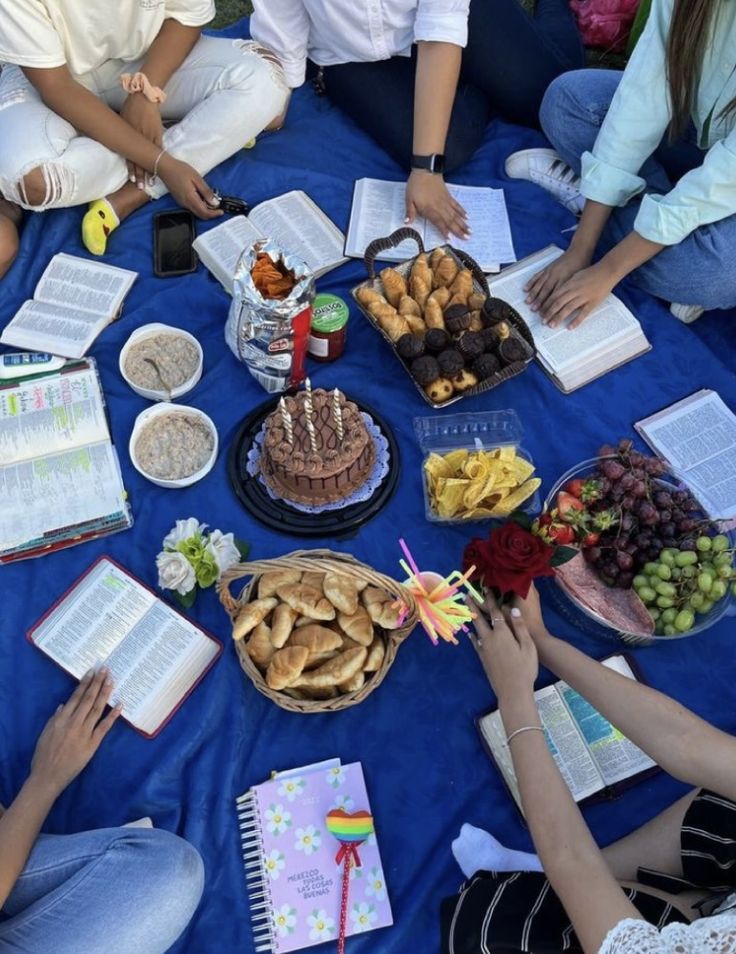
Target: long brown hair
point(688, 36)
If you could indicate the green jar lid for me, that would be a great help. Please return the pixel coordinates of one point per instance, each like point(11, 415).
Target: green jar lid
point(329, 313)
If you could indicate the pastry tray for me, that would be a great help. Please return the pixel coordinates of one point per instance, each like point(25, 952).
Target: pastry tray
point(518, 326)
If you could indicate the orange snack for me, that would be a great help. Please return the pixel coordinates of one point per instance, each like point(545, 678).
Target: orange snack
point(271, 278)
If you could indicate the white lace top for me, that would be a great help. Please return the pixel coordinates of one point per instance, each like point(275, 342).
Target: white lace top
point(713, 935)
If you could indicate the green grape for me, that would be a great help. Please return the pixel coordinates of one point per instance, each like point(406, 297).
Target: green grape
point(684, 621)
point(668, 615)
point(697, 600)
point(676, 573)
point(705, 581)
point(686, 558)
point(720, 543)
point(664, 572)
point(706, 607)
point(704, 544)
point(651, 569)
point(639, 581)
point(723, 559)
point(647, 594)
point(666, 589)
point(724, 571)
point(688, 572)
point(669, 630)
point(718, 590)
point(654, 581)
point(667, 557)
point(659, 628)
point(653, 612)
point(664, 602)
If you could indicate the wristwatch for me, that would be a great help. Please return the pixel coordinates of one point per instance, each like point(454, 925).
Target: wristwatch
point(434, 163)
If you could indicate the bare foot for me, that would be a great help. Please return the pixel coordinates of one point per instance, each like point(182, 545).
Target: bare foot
point(127, 200)
point(11, 216)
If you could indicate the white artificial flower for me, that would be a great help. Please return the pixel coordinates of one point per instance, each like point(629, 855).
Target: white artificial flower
point(363, 915)
point(182, 531)
point(291, 787)
point(345, 802)
point(277, 819)
point(336, 776)
point(175, 572)
point(285, 920)
point(222, 547)
point(308, 839)
point(274, 863)
point(321, 926)
point(376, 885)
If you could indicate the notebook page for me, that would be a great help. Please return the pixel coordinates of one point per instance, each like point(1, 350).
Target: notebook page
point(221, 247)
point(60, 490)
point(39, 326)
point(84, 285)
point(301, 876)
point(616, 757)
point(50, 414)
point(297, 224)
point(89, 624)
point(490, 242)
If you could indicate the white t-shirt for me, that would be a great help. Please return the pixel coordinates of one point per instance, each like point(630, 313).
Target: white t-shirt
point(84, 34)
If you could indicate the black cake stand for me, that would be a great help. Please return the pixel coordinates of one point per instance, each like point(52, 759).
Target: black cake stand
point(281, 516)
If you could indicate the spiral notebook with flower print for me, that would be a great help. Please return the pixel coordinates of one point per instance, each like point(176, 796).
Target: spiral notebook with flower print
point(291, 868)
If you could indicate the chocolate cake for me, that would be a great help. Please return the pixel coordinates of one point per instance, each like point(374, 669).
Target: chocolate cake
point(338, 466)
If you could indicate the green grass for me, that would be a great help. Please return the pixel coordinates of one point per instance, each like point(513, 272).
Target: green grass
point(230, 10)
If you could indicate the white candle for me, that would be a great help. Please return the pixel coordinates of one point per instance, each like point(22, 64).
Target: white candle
point(312, 435)
point(287, 421)
point(337, 414)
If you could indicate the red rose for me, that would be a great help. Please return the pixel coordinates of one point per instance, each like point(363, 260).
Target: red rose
point(476, 554)
point(510, 559)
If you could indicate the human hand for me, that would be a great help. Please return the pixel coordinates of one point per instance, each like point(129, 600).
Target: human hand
point(188, 187)
point(505, 648)
point(145, 117)
point(539, 288)
point(531, 615)
point(578, 296)
point(73, 734)
point(427, 195)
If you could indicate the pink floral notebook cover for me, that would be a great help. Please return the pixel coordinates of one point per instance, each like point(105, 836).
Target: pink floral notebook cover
point(294, 882)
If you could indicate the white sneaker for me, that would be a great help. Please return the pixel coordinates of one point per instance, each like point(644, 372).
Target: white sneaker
point(551, 172)
point(687, 314)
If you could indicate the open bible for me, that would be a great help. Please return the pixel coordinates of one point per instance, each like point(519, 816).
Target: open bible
point(293, 220)
point(609, 337)
point(594, 758)
point(74, 300)
point(155, 655)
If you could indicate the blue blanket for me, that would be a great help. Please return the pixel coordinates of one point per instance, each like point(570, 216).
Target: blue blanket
point(424, 764)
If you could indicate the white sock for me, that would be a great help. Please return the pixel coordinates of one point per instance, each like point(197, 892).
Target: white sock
point(140, 823)
point(477, 850)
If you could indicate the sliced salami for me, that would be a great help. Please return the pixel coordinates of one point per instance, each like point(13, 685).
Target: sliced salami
point(622, 609)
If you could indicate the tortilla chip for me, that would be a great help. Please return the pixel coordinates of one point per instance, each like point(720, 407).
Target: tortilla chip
point(515, 499)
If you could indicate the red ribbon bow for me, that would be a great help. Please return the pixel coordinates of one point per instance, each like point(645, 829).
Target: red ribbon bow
point(348, 850)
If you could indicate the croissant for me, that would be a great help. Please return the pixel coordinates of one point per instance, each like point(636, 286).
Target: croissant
point(433, 314)
point(441, 296)
point(476, 301)
point(458, 299)
point(314, 579)
point(334, 672)
point(271, 581)
point(407, 306)
point(376, 652)
point(445, 272)
point(307, 601)
point(462, 285)
point(282, 624)
point(366, 296)
point(251, 615)
point(390, 320)
point(476, 323)
point(420, 270)
point(416, 325)
point(317, 639)
point(353, 684)
point(419, 291)
point(286, 666)
point(358, 626)
point(341, 592)
point(394, 286)
point(436, 257)
point(259, 647)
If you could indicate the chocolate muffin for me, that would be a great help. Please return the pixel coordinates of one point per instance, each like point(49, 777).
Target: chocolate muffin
point(490, 339)
point(486, 366)
point(436, 340)
point(457, 319)
point(511, 350)
point(494, 311)
point(471, 344)
point(410, 346)
point(425, 370)
point(450, 361)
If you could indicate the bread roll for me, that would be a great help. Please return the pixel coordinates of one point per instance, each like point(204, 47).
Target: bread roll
point(282, 624)
point(307, 601)
point(286, 667)
point(271, 581)
point(251, 615)
point(316, 638)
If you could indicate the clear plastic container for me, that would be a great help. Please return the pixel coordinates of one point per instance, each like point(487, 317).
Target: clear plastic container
point(483, 431)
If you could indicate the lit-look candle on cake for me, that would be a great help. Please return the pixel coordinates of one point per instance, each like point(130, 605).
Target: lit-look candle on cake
point(287, 421)
point(337, 414)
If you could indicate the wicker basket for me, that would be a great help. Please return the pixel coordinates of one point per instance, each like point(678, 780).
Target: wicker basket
point(518, 326)
point(322, 561)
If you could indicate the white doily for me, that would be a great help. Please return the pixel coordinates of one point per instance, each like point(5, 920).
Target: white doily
point(363, 493)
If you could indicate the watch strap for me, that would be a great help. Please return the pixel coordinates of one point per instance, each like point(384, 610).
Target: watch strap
point(432, 163)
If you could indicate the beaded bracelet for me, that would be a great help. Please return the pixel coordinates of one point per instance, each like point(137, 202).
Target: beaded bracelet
point(158, 159)
point(524, 728)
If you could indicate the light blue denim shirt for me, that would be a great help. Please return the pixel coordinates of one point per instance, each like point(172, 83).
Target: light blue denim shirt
point(638, 119)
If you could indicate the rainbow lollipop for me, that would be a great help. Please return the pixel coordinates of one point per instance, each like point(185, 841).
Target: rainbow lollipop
point(350, 829)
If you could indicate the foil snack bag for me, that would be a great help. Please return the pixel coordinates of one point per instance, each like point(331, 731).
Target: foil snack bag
point(270, 335)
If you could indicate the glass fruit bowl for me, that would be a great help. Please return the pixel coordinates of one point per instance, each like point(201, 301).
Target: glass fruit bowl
point(586, 618)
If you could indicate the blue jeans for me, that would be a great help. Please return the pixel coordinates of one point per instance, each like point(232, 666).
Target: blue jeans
point(112, 891)
point(509, 62)
point(700, 270)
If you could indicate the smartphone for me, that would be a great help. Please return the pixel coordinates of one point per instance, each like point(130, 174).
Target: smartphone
point(173, 234)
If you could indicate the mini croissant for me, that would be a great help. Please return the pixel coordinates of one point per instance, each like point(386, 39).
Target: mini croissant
point(394, 286)
point(251, 615)
point(336, 671)
point(286, 666)
point(307, 601)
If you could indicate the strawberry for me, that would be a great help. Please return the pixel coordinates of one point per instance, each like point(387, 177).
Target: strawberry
point(575, 487)
point(585, 489)
point(561, 533)
point(590, 539)
point(605, 519)
point(569, 507)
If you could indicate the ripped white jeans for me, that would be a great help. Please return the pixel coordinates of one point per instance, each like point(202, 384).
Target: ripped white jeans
point(224, 94)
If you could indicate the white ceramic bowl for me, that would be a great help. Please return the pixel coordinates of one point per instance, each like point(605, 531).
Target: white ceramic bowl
point(165, 408)
point(149, 331)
